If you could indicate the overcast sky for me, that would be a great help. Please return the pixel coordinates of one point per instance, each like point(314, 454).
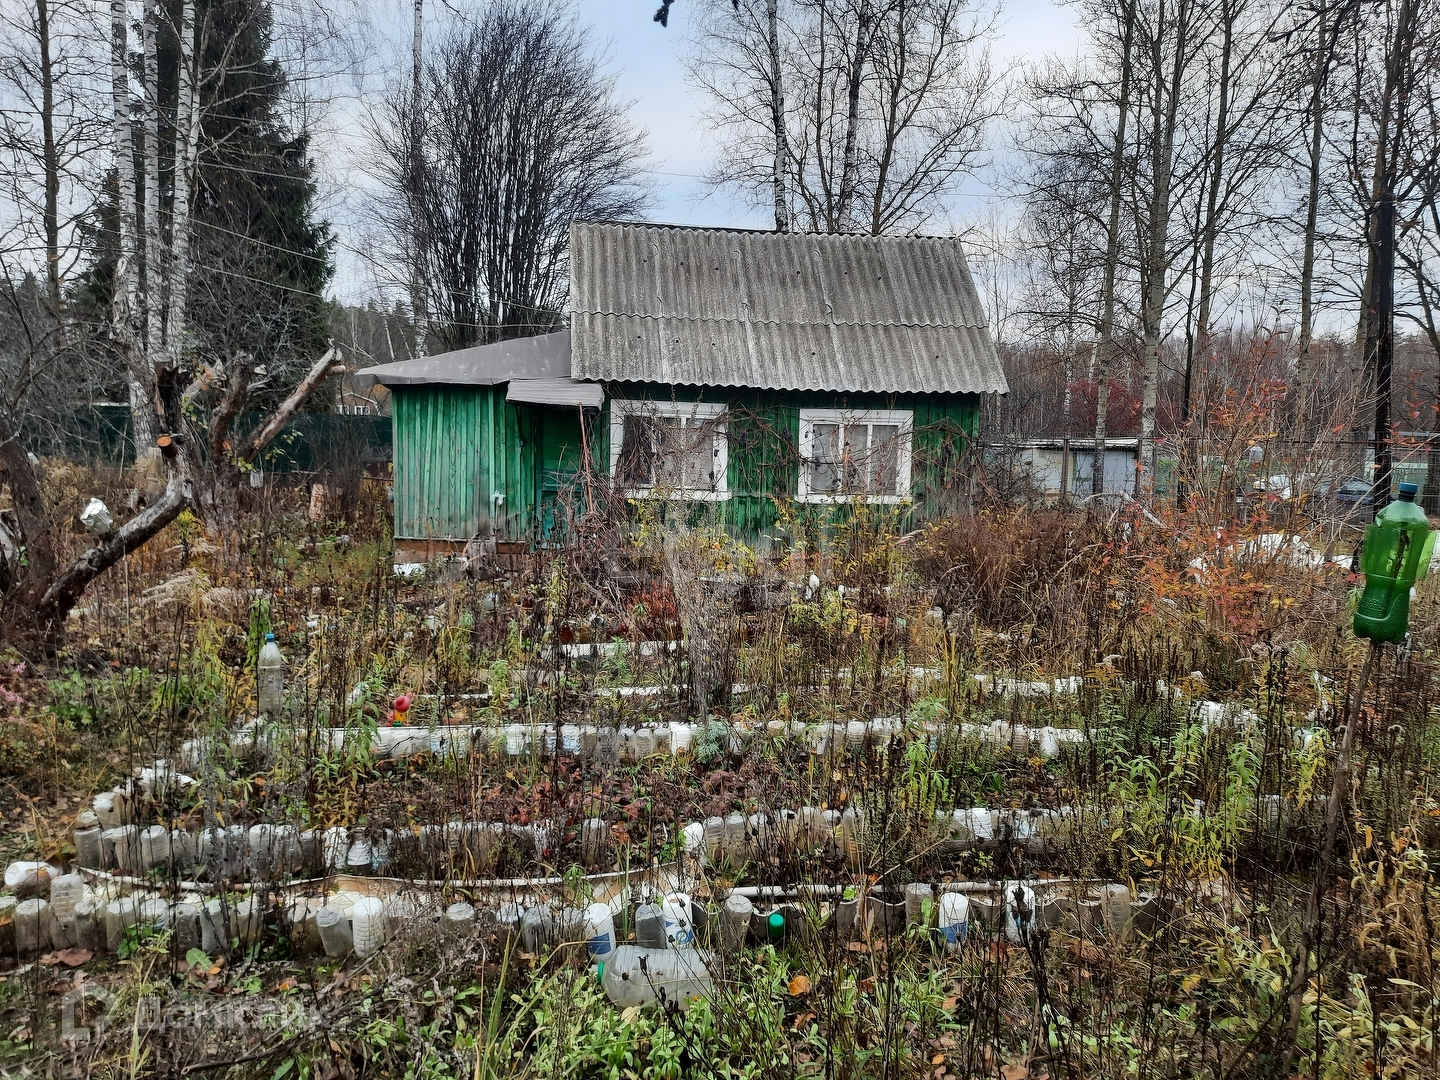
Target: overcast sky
point(647, 60)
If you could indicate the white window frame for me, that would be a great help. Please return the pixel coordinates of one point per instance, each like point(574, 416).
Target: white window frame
point(903, 419)
point(690, 411)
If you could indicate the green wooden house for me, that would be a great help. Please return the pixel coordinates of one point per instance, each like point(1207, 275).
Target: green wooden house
point(744, 375)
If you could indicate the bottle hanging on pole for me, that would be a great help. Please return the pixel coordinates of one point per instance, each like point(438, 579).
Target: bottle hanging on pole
point(1396, 554)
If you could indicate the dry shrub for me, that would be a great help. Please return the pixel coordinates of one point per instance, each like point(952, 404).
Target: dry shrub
point(1011, 566)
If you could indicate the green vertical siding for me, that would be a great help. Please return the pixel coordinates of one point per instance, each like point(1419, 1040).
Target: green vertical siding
point(764, 455)
point(455, 446)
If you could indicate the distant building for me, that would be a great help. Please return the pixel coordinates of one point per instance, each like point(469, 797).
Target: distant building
point(1057, 467)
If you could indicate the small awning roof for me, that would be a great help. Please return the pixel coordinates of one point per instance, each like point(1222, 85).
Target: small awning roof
point(543, 356)
point(569, 392)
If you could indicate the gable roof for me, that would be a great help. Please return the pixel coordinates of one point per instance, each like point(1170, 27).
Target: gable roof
point(782, 311)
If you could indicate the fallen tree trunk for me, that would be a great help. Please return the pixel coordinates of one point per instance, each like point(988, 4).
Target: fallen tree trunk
point(66, 590)
point(37, 593)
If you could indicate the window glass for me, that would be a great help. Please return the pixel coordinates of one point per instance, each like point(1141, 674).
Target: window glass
point(698, 452)
point(825, 459)
point(672, 452)
point(667, 435)
point(864, 454)
point(637, 453)
point(856, 458)
point(883, 472)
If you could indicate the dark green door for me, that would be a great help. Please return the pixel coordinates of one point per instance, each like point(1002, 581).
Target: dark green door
point(561, 494)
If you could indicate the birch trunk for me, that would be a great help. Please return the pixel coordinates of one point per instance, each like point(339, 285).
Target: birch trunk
point(1107, 347)
point(153, 260)
point(187, 141)
point(123, 298)
point(777, 117)
point(849, 165)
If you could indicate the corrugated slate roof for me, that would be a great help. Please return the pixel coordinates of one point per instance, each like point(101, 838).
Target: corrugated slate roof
point(782, 311)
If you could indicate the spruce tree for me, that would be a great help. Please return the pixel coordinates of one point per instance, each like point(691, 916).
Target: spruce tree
point(262, 255)
point(260, 252)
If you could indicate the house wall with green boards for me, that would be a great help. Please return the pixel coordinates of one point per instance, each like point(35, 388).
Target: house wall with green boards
point(468, 463)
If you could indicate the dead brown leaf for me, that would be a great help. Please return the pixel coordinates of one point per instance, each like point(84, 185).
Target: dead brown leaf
point(800, 984)
point(68, 957)
point(1014, 1072)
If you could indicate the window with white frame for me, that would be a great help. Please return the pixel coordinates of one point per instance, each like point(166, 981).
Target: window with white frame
point(672, 448)
point(855, 455)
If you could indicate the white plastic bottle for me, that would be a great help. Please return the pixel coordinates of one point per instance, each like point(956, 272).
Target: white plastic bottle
point(1021, 913)
point(679, 917)
point(367, 925)
point(632, 975)
point(269, 678)
point(954, 919)
point(600, 930)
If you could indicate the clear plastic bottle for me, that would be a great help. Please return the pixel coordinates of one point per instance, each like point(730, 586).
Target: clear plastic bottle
point(918, 899)
point(65, 892)
point(154, 846)
point(458, 920)
point(269, 678)
point(735, 920)
point(334, 928)
point(632, 975)
point(214, 927)
point(1021, 913)
point(89, 916)
point(120, 915)
point(87, 847)
point(32, 926)
point(650, 926)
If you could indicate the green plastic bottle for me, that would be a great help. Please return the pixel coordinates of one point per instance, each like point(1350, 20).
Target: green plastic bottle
point(1396, 555)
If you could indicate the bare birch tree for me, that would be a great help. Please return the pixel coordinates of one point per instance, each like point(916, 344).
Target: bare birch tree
point(54, 69)
point(880, 105)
